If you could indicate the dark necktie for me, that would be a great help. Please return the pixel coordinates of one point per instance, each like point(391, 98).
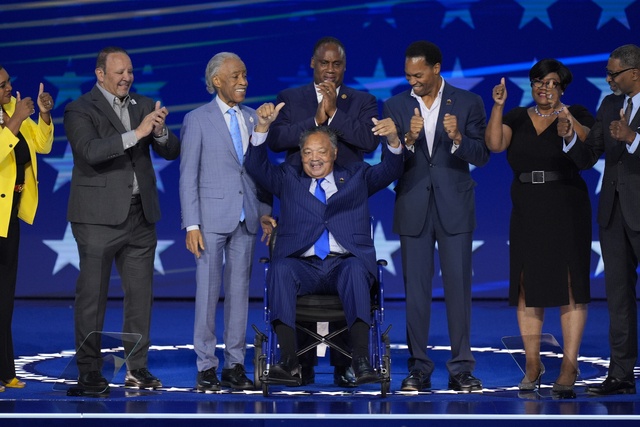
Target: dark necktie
point(627, 112)
point(321, 247)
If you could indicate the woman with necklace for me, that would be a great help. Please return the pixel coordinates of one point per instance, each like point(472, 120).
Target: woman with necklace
point(20, 139)
point(550, 230)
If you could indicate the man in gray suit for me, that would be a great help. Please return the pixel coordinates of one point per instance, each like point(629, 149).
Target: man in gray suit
point(221, 212)
point(113, 208)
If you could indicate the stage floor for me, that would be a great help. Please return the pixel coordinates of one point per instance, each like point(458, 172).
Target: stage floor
point(43, 335)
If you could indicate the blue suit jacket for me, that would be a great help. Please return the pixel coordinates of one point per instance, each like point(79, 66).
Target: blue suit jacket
point(352, 121)
point(444, 174)
point(213, 185)
point(346, 214)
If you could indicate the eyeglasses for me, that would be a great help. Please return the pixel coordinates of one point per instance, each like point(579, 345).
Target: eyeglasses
point(617, 73)
point(549, 84)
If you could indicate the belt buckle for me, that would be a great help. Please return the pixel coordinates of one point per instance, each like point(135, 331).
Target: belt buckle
point(18, 188)
point(537, 177)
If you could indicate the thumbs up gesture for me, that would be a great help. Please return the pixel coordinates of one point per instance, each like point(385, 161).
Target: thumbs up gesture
point(415, 127)
point(565, 124)
point(621, 131)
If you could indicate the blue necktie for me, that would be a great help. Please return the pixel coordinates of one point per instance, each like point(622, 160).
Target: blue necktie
point(234, 128)
point(236, 136)
point(321, 247)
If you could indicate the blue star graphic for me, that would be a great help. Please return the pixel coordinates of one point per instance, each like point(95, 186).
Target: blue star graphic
point(524, 84)
point(599, 167)
point(595, 247)
point(69, 86)
point(456, 77)
point(379, 85)
point(613, 9)
point(535, 9)
point(63, 165)
point(303, 77)
point(383, 10)
point(457, 9)
point(602, 85)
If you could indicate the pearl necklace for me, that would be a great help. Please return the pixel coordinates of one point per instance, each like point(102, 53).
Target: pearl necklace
point(554, 113)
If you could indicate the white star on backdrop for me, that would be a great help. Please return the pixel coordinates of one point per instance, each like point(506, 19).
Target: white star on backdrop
point(385, 248)
point(595, 247)
point(67, 251)
point(599, 167)
point(69, 86)
point(525, 84)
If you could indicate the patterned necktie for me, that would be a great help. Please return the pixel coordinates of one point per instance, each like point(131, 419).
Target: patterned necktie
point(321, 247)
point(236, 136)
point(234, 128)
point(627, 112)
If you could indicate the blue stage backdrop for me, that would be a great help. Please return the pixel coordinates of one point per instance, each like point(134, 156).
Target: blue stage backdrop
point(170, 42)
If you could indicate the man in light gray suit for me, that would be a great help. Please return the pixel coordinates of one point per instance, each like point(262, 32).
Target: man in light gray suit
point(221, 212)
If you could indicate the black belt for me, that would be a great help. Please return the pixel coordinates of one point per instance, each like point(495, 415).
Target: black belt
point(540, 177)
point(135, 199)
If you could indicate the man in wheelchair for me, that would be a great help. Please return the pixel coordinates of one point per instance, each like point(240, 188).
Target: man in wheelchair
point(324, 241)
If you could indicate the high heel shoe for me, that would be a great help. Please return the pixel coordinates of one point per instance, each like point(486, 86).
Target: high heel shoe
point(526, 385)
point(562, 391)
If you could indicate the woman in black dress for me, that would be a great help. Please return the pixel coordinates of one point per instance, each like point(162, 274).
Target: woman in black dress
point(550, 231)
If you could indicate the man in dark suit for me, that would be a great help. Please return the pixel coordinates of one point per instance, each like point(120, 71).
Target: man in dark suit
point(326, 101)
point(113, 208)
point(616, 133)
point(347, 264)
point(435, 203)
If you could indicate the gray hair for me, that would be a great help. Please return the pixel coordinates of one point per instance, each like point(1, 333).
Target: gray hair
point(333, 136)
point(214, 66)
point(629, 55)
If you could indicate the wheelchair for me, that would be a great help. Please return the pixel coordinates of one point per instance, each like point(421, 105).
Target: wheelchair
point(323, 308)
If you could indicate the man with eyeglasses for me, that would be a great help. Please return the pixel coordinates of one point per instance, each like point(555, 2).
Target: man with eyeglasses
point(616, 133)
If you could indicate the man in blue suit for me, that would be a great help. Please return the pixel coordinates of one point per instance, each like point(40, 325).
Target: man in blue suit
point(300, 265)
point(435, 203)
point(221, 211)
point(326, 101)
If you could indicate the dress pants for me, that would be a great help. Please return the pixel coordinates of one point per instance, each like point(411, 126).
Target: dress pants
point(8, 276)
point(345, 276)
point(454, 253)
point(236, 248)
point(621, 252)
point(132, 245)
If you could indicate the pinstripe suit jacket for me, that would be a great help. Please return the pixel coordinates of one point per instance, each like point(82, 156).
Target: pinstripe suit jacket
point(213, 184)
point(346, 214)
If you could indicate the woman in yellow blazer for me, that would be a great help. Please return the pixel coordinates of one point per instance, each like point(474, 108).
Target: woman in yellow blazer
point(20, 139)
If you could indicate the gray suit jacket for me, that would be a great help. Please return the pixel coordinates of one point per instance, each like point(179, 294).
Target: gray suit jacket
point(213, 183)
point(102, 177)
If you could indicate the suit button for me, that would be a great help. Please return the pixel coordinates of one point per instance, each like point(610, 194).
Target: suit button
point(2, 195)
point(239, 192)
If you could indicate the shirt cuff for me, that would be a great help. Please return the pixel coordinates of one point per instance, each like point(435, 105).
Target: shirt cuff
point(193, 227)
point(396, 150)
point(129, 139)
point(258, 138)
point(634, 146)
point(568, 146)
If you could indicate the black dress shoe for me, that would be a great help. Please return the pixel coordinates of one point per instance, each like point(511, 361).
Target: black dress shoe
point(343, 376)
point(141, 378)
point(207, 381)
point(363, 371)
point(613, 386)
point(93, 383)
point(287, 372)
point(308, 375)
point(464, 381)
point(236, 378)
point(416, 381)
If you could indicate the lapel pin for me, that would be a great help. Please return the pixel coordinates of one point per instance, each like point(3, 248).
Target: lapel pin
point(341, 180)
point(448, 102)
point(343, 96)
point(132, 101)
point(251, 119)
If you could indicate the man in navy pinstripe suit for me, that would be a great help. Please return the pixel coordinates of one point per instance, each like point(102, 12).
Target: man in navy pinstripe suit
point(296, 269)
